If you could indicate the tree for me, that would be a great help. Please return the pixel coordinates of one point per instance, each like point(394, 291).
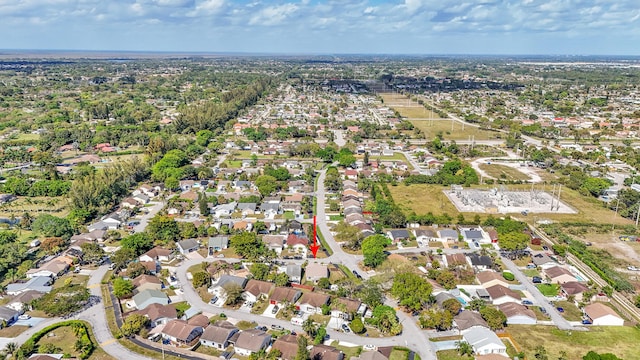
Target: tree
point(201, 278)
point(260, 271)
point(135, 269)
point(495, 318)
point(446, 279)
point(452, 305)
point(411, 290)
point(122, 288)
point(309, 327)
point(52, 226)
point(436, 319)
point(370, 293)
point(122, 257)
point(303, 352)
point(203, 205)
point(373, 250)
point(281, 279)
point(324, 283)
point(384, 318)
point(512, 241)
point(233, 292)
point(464, 348)
point(357, 326)
point(247, 245)
point(91, 252)
point(321, 333)
point(266, 184)
point(164, 229)
point(133, 324)
point(53, 245)
point(350, 235)
point(139, 243)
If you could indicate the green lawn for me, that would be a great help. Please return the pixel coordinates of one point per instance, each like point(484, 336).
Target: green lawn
point(397, 354)
point(349, 351)
point(548, 289)
point(503, 172)
point(620, 340)
point(451, 355)
point(289, 215)
point(571, 311)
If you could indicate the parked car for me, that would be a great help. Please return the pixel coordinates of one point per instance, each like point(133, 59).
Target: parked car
point(369, 347)
point(213, 300)
point(275, 309)
point(537, 280)
point(527, 302)
point(586, 322)
point(560, 309)
point(277, 327)
point(345, 328)
point(24, 317)
point(263, 328)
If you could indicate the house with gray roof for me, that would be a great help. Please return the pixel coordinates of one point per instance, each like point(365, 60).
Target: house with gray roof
point(40, 284)
point(484, 342)
point(398, 235)
point(247, 208)
point(225, 279)
point(251, 341)
point(8, 316)
point(150, 296)
point(448, 235)
point(217, 243)
point(187, 246)
point(294, 271)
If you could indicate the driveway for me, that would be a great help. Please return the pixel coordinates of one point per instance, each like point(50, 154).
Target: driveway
point(144, 219)
point(445, 345)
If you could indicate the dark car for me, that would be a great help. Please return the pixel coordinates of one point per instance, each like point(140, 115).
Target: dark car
point(537, 280)
point(263, 328)
point(586, 322)
point(560, 309)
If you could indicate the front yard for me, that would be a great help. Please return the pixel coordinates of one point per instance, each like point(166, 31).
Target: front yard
point(548, 289)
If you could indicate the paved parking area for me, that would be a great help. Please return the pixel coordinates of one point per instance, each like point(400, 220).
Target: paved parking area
point(268, 312)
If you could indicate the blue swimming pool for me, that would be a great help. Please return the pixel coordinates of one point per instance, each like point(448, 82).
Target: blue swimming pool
point(462, 301)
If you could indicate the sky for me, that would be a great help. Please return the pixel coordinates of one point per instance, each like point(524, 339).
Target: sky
point(545, 27)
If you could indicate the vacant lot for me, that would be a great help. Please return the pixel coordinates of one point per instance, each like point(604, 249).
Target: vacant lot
point(423, 198)
point(459, 132)
point(503, 172)
point(407, 107)
point(619, 340)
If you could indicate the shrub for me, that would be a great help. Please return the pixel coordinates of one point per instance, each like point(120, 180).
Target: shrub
point(357, 326)
point(508, 276)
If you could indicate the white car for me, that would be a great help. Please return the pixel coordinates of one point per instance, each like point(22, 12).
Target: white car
point(369, 347)
point(24, 317)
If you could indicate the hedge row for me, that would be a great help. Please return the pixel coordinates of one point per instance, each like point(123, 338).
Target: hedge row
point(79, 328)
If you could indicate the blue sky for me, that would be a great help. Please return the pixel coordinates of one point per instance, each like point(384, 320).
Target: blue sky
point(326, 26)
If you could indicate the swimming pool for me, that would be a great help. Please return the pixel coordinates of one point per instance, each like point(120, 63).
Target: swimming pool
point(462, 301)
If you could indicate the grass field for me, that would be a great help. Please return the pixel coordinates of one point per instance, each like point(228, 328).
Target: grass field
point(13, 331)
point(64, 339)
point(459, 132)
point(620, 340)
point(571, 311)
point(548, 289)
point(422, 198)
point(450, 355)
point(349, 351)
point(503, 172)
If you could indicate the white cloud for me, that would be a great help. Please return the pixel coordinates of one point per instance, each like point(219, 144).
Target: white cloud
point(273, 15)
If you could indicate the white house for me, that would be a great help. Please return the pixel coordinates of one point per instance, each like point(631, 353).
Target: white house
point(187, 246)
point(251, 341)
point(500, 295)
point(218, 335)
point(311, 303)
point(603, 315)
point(518, 314)
point(484, 341)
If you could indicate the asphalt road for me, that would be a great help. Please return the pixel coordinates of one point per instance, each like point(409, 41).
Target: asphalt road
point(540, 299)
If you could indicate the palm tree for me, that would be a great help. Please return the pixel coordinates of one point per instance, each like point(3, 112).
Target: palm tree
point(10, 348)
point(12, 273)
point(309, 327)
point(464, 348)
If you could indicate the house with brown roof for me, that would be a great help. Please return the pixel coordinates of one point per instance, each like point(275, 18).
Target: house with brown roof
point(346, 308)
point(467, 319)
point(151, 266)
point(157, 254)
point(288, 346)
point(490, 278)
point(256, 289)
point(316, 271)
point(197, 320)
point(284, 295)
point(324, 352)
point(53, 269)
point(218, 335)
point(500, 295)
point(455, 260)
point(159, 314)
point(251, 341)
point(602, 315)
point(371, 355)
point(575, 289)
point(179, 331)
point(274, 242)
point(559, 275)
point(144, 282)
point(518, 314)
point(311, 303)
